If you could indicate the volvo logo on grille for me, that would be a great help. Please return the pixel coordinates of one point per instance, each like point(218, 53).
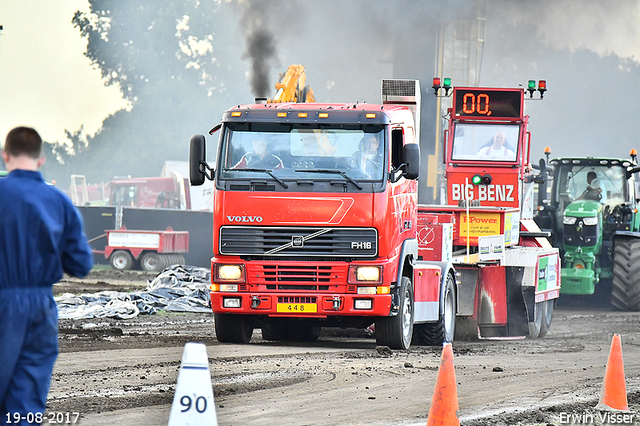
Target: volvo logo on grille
point(244, 219)
point(297, 241)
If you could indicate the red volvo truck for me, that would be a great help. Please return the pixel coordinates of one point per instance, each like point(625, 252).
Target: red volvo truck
point(317, 224)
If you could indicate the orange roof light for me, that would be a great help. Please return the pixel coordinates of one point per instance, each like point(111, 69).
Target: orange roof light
point(282, 114)
point(633, 152)
point(370, 115)
point(547, 150)
point(323, 115)
point(302, 114)
point(236, 114)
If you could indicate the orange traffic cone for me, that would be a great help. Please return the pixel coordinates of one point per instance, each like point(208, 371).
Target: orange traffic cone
point(614, 390)
point(444, 404)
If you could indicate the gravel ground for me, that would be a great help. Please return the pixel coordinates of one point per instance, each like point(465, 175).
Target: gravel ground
point(116, 372)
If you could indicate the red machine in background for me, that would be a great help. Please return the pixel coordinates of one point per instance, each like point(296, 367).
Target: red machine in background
point(152, 250)
point(324, 228)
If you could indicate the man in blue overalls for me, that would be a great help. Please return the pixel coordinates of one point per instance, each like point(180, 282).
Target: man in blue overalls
point(41, 237)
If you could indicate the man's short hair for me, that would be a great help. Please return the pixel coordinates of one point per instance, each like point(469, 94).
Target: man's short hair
point(592, 174)
point(23, 141)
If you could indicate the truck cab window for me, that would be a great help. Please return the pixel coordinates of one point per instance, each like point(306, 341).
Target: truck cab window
point(355, 150)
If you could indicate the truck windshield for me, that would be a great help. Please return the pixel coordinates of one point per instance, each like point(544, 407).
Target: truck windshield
point(290, 151)
point(485, 142)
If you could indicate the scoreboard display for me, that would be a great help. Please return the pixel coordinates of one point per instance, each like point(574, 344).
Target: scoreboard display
point(488, 103)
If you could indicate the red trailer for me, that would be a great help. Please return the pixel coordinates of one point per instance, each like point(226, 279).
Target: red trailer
point(149, 250)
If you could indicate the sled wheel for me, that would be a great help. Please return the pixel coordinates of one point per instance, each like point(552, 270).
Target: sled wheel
point(548, 316)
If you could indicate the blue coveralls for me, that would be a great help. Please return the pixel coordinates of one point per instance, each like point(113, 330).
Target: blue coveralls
point(41, 236)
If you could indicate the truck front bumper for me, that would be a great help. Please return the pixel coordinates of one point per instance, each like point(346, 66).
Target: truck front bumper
point(301, 305)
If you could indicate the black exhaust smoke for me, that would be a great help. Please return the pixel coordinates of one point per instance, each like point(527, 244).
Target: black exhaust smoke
point(261, 45)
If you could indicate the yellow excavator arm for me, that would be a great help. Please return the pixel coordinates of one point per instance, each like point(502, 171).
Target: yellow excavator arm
point(291, 86)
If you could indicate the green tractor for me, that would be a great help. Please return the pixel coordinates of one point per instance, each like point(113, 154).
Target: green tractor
point(592, 214)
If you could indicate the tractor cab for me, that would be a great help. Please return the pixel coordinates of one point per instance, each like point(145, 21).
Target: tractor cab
point(591, 212)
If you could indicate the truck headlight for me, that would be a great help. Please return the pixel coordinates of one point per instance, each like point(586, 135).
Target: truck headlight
point(226, 273)
point(590, 221)
point(568, 220)
point(365, 273)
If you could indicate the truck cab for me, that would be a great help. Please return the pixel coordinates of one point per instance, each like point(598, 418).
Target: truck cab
point(315, 212)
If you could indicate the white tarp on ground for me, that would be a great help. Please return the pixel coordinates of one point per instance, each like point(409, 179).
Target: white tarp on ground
point(177, 288)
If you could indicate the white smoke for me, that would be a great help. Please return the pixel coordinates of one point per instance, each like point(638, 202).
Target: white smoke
point(603, 27)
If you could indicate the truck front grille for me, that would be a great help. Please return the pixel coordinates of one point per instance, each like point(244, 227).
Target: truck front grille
point(297, 277)
point(299, 241)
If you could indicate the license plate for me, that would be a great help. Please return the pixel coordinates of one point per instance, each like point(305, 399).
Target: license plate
point(297, 307)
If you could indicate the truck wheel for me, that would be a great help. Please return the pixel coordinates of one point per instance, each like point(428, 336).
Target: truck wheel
point(151, 261)
point(274, 330)
point(548, 316)
point(443, 330)
point(233, 328)
point(625, 286)
point(397, 332)
point(121, 260)
point(303, 333)
point(290, 331)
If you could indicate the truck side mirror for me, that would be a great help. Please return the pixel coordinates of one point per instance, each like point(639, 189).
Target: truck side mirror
point(197, 152)
point(411, 158)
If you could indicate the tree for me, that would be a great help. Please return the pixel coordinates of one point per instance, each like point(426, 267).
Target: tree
point(162, 56)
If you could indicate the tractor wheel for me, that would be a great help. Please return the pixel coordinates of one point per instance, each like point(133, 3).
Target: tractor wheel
point(151, 261)
point(121, 260)
point(397, 332)
point(233, 328)
point(443, 330)
point(625, 286)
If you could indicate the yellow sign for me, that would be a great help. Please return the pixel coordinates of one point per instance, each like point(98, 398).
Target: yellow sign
point(300, 308)
point(479, 224)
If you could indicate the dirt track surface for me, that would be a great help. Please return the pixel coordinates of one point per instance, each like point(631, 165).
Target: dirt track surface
point(124, 372)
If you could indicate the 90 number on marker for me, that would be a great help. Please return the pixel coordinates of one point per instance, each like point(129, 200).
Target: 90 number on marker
point(200, 404)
